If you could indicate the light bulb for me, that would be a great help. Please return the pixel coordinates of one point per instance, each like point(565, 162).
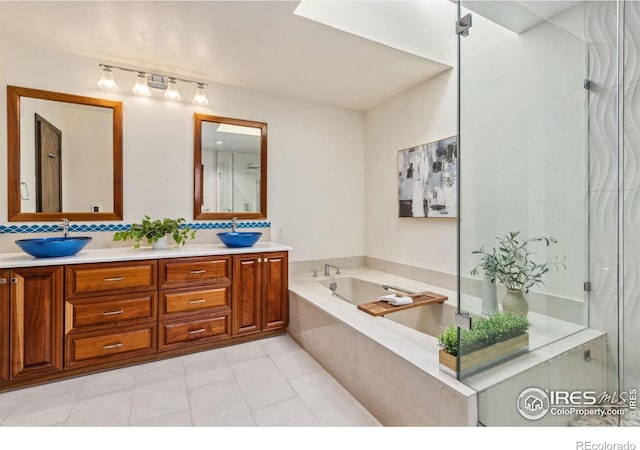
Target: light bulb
point(201, 96)
point(141, 87)
point(172, 90)
point(106, 80)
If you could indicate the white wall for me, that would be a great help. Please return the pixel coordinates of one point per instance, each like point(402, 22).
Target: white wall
point(423, 114)
point(316, 152)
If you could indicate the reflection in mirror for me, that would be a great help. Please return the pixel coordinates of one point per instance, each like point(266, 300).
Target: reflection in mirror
point(65, 156)
point(230, 168)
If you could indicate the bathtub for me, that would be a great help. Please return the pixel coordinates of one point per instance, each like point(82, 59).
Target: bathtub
point(430, 320)
point(389, 364)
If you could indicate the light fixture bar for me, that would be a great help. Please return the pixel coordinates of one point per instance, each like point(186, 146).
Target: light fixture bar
point(146, 80)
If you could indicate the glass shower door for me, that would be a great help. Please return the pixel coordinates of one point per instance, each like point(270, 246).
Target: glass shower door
point(523, 174)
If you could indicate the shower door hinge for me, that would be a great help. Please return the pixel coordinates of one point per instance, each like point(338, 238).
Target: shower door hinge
point(463, 320)
point(587, 286)
point(463, 25)
point(586, 83)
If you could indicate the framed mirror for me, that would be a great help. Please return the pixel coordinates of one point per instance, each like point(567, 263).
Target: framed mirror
point(230, 168)
point(64, 156)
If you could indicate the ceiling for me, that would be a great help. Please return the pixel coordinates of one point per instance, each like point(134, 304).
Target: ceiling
point(260, 45)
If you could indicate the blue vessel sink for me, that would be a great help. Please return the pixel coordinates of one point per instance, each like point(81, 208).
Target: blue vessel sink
point(54, 246)
point(237, 239)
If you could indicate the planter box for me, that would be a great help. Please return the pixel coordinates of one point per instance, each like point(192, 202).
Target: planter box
point(485, 357)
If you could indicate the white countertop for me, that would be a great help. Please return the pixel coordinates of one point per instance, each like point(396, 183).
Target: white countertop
point(14, 260)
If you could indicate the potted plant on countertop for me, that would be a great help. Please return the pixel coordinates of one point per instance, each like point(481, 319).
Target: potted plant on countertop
point(155, 232)
point(512, 265)
point(491, 340)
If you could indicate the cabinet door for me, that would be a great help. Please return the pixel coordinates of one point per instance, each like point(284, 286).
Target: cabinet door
point(274, 310)
point(4, 325)
point(247, 293)
point(36, 321)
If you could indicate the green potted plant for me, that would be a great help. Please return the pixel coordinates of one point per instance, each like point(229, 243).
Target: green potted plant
point(511, 264)
point(155, 232)
point(490, 340)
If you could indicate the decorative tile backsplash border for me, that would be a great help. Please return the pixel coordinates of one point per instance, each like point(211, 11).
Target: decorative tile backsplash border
point(112, 227)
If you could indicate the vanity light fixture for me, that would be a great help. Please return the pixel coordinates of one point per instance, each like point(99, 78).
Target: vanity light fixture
point(142, 87)
point(172, 90)
point(106, 80)
point(146, 80)
point(201, 97)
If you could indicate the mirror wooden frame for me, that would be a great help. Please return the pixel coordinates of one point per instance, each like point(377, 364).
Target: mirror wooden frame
point(197, 169)
point(14, 94)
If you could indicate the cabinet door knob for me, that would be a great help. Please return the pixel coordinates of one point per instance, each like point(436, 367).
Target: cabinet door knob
point(3, 281)
point(113, 313)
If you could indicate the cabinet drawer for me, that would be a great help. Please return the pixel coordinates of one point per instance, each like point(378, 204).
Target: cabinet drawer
point(180, 333)
point(93, 348)
point(182, 272)
point(110, 310)
point(188, 301)
point(98, 279)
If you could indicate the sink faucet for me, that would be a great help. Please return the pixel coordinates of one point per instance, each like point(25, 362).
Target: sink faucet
point(234, 224)
point(327, 268)
point(65, 227)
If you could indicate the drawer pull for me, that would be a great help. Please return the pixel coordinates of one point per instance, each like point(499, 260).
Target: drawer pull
point(107, 347)
point(198, 331)
point(114, 279)
point(195, 302)
point(113, 313)
point(197, 272)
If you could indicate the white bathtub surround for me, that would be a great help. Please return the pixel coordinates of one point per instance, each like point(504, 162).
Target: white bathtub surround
point(308, 267)
point(429, 276)
point(392, 369)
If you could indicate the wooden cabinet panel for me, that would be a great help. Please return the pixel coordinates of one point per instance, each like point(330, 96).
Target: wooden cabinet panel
point(247, 293)
point(110, 278)
point(197, 330)
point(276, 291)
point(36, 321)
point(97, 347)
point(183, 302)
point(108, 310)
point(4, 325)
point(182, 272)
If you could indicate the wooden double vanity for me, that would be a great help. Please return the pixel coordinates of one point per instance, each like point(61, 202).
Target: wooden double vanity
point(112, 307)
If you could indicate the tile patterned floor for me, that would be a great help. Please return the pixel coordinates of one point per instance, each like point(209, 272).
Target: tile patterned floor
point(271, 382)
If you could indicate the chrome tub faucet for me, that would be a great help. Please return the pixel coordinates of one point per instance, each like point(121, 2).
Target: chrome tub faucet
point(327, 268)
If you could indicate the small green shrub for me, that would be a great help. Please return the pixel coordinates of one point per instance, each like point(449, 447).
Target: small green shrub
point(152, 230)
point(511, 262)
point(485, 331)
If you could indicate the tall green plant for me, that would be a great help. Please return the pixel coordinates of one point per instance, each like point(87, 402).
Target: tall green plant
point(152, 230)
point(511, 262)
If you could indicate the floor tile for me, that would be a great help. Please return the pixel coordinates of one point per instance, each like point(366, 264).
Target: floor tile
point(219, 404)
point(329, 402)
point(289, 413)
point(206, 367)
point(112, 409)
point(180, 418)
point(269, 382)
point(157, 399)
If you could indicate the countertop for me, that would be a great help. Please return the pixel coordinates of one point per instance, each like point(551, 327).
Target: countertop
point(19, 259)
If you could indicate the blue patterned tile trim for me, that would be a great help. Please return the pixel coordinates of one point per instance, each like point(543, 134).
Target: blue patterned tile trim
point(112, 227)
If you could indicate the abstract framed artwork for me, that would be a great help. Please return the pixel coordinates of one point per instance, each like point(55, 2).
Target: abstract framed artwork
point(428, 180)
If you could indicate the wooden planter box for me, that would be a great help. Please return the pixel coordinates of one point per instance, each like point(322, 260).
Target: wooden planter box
point(485, 357)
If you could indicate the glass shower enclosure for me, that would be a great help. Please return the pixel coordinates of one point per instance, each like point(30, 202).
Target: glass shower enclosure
point(549, 228)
